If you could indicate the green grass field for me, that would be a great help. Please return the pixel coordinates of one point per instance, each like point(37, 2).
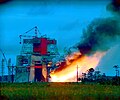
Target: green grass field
point(58, 91)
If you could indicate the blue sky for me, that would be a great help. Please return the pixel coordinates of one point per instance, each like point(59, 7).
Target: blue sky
point(63, 21)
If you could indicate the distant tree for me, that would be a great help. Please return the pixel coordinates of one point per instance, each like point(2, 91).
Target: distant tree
point(91, 70)
point(117, 70)
point(90, 74)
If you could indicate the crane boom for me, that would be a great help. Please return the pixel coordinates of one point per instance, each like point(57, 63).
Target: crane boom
point(24, 34)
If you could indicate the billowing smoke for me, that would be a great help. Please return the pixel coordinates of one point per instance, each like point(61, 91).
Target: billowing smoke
point(100, 35)
point(4, 1)
point(114, 6)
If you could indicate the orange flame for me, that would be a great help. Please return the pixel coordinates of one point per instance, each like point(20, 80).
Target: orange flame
point(68, 74)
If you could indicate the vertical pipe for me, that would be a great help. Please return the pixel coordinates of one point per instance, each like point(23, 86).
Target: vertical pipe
point(9, 64)
point(2, 70)
point(28, 70)
point(48, 71)
point(116, 72)
point(12, 73)
point(77, 73)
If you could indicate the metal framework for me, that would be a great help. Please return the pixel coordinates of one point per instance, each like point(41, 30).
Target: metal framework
point(36, 54)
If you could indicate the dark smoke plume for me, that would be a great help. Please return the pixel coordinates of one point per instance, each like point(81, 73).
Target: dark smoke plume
point(4, 1)
point(114, 6)
point(100, 35)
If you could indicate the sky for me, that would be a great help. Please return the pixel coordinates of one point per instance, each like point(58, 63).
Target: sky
point(60, 19)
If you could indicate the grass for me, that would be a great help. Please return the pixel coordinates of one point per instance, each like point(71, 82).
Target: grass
point(58, 91)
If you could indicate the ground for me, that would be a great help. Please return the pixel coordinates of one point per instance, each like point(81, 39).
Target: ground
point(59, 91)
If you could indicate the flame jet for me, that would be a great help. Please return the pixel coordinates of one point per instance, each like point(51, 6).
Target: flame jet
point(99, 36)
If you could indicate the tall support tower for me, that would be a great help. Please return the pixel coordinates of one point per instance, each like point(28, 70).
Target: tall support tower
point(37, 53)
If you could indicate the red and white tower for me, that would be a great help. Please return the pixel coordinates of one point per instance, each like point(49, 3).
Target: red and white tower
point(37, 52)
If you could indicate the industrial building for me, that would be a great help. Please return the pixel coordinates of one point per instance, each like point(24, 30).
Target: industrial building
point(35, 60)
